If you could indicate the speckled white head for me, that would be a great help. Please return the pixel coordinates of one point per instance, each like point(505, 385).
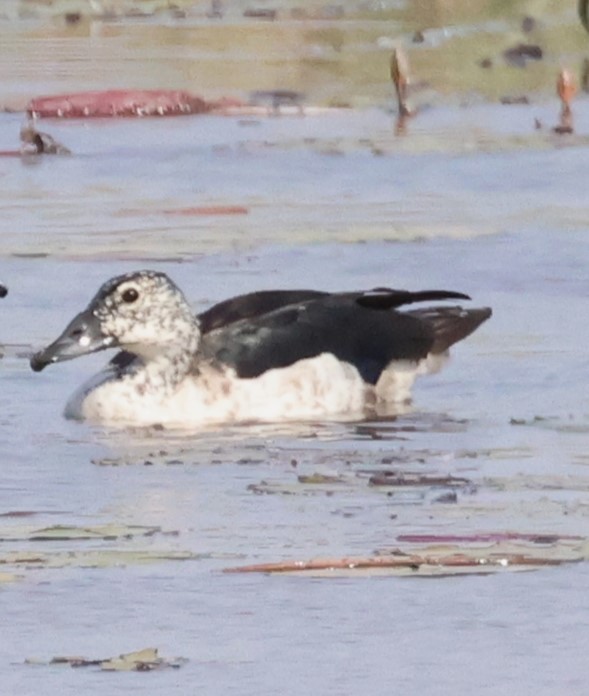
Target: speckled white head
point(142, 311)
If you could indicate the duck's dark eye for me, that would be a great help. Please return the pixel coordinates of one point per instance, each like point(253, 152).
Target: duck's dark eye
point(130, 295)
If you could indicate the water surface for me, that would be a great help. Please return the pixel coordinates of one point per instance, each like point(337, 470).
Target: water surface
point(471, 198)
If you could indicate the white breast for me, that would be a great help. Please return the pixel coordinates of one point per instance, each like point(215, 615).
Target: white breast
point(312, 388)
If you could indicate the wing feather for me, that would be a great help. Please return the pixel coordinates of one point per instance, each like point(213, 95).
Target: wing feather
point(365, 337)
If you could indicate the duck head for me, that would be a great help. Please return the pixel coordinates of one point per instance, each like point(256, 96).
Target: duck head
point(142, 312)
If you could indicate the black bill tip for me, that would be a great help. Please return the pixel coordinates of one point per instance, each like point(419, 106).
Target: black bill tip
point(38, 363)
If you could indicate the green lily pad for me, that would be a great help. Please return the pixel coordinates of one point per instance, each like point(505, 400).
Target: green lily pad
point(94, 558)
point(73, 533)
point(318, 478)
point(305, 488)
point(400, 479)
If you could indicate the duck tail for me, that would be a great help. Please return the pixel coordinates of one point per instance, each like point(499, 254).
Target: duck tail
point(451, 324)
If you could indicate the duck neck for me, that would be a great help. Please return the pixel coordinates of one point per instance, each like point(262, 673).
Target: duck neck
point(161, 367)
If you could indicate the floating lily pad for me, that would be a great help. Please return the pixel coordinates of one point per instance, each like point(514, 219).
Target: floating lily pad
point(95, 558)
point(74, 533)
point(402, 479)
point(401, 485)
point(321, 479)
point(145, 660)
point(442, 559)
point(491, 537)
point(553, 423)
point(312, 486)
point(538, 483)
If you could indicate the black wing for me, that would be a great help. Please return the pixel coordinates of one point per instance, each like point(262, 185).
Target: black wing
point(367, 337)
point(254, 304)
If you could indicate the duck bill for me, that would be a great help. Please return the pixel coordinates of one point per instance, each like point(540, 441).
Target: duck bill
point(81, 337)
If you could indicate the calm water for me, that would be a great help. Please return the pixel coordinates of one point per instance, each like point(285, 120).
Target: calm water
point(472, 199)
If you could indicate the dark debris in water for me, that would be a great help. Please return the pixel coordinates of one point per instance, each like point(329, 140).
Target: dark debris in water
point(523, 421)
point(321, 479)
point(404, 486)
point(265, 13)
point(34, 142)
point(518, 99)
point(571, 424)
point(486, 537)
point(393, 428)
point(400, 478)
point(447, 498)
point(584, 13)
point(145, 461)
point(521, 53)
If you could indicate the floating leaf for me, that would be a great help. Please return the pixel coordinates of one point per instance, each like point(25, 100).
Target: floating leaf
point(208, 210)
point(312, 486)
point(320, 478)
point(73, 661)
point(73, 533)
point(401, 479)
point(94, 558)
point(131, 661)
point(434, 560)
point(492, 537)
point(145, 660)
